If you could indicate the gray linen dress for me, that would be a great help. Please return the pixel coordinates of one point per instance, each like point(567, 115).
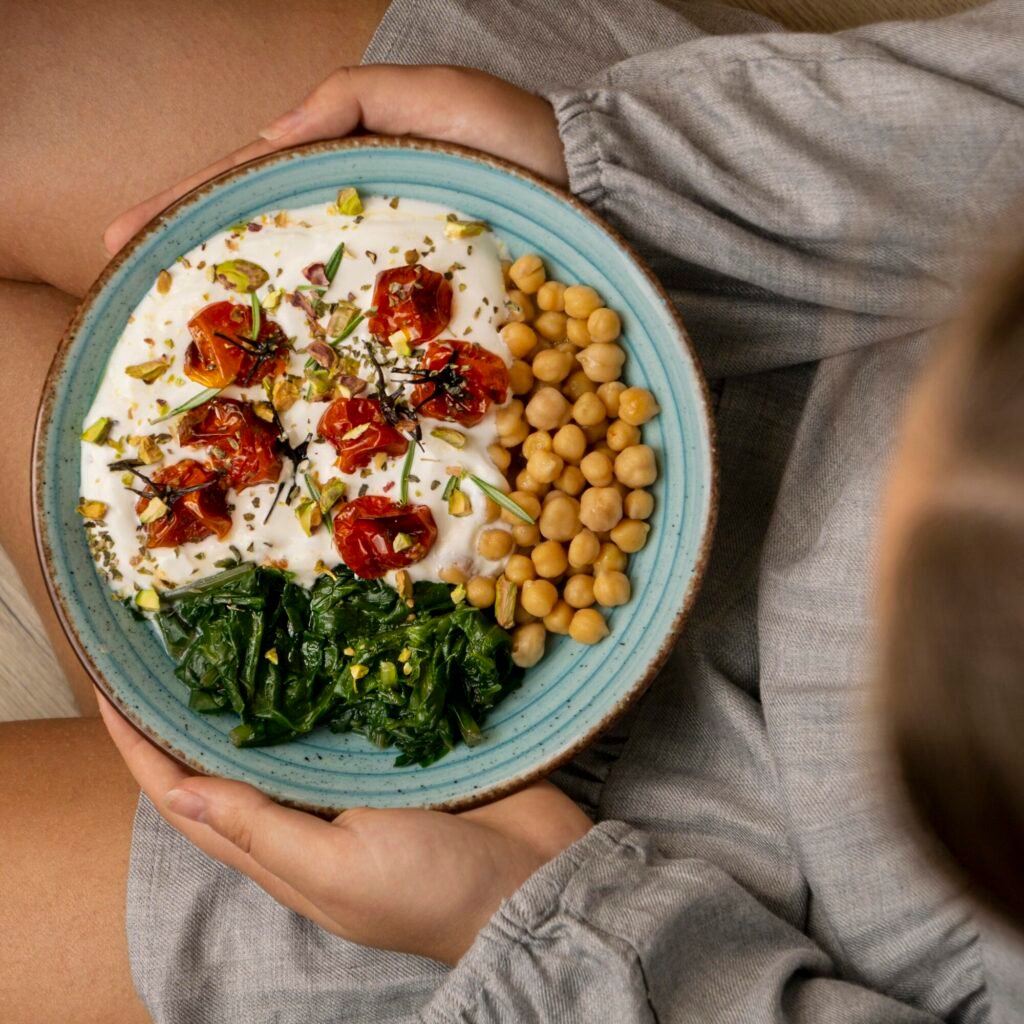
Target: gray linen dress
point(813, 204)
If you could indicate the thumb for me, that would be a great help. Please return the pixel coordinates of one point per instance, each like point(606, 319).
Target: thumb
point(296, 847)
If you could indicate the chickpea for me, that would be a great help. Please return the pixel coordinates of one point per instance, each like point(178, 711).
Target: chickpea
point(520, 339)
point(598, 469)
point(597, 433)
point(605, 450)
point(611, 559)
point(525, 535)
point(581, 300)
point(572, 481)
point(519, 307)
point(602, 362)
point(520, 376)
point(452, 574)
point(516, 436)
point(525, 482)
point(548, 409)
point(588, 410)
point(551, 295)
point(491, 511)
point(528, 502)
point(521, 617)
point(584, 549)
point(637, 406)
point(538, 441)
point(604, 325)
point(611, 393)
point(600, 508)
point(578, 383)
point(570, 443)
point(494, 544)
point(527, 273)
point(560, 518)
point(549, 559)
point(552, 366)
point(630, 535)
point(539, 597)
point(576, 331)
point(588, 626)
point(507, 418)
point(480, 591)
point(558, 619)
point(499, 456)
point(638, 505)
point(622, 435)
point(550, 325)
point(578, 591)
point(612, 589)
point(519, 569)
point(635, 466)
point(545, 467)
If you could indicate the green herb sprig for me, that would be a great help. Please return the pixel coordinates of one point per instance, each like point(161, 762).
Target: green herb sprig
point(499, 498)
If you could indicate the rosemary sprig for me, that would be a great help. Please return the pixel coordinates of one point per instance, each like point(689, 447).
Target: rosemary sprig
point(499, 498)
point(331, 266)
point(198, 399)
point(254, 332)
point(403, 487)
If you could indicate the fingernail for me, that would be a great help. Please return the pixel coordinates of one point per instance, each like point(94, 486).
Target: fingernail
point(188, 805)
point(283, 125)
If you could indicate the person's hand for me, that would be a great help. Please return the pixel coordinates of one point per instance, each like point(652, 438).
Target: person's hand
point(415, 881)
point(449, 104)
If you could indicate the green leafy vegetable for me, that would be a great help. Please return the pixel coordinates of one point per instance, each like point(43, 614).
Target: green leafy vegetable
point(348, 654)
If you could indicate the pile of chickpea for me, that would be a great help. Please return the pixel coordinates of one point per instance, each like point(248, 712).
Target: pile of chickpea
point(570, 444)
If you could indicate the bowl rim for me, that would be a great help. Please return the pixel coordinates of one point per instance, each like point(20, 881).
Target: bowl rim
point(37, 485)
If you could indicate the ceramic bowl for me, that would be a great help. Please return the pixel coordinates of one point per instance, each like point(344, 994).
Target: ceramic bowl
point(576, 691)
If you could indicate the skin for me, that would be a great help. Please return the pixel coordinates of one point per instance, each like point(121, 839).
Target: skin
point(61, 190)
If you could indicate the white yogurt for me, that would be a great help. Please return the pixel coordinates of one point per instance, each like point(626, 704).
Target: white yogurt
point(283, 246)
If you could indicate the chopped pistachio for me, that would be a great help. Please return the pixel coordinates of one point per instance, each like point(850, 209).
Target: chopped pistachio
point(264, 410)
point(343, 313)
point(96, 433)
point(94, 510)
point(331, 493)
point(127, 479)
point(403, 584)
point(349, 651)
point(379, 460)
point(505, 602)
point(241, 275)
point(349, 202)
point(148, 600)
point(163, 282)
point(405, 655)
point(455, 438)
point(399, 341)
point(149, 450)
point(149, 371)
point(459, 504)
point(407, 669)
point(155, 509)
point(285, 394)
point(271, 656)
point(458, 594)
point(358, 671)
point(355, 432)
point(210, 273)
point(403, 541)
point(308, 514)
point(464, 228)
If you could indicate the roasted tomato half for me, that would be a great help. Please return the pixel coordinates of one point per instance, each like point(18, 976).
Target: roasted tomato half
point(195, 497)
point(222, 351)
point(357, 429)
point(413, 299)
point(246, 448)
point(374, 534)
point(458, 380)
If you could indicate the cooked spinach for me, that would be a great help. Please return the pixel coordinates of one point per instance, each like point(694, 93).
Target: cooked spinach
point(348, 653)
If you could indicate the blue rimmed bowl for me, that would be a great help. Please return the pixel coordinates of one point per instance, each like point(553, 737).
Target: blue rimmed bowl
point(575, 692)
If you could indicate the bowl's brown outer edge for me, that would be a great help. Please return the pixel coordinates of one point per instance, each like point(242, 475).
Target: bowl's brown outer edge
point(363, 142)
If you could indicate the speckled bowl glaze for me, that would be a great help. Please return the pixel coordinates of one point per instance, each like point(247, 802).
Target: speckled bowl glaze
point(575, 692)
